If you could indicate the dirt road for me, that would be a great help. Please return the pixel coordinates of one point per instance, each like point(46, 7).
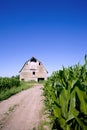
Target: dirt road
point(22, 111)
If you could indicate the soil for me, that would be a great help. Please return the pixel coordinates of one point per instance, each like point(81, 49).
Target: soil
point(22, 111)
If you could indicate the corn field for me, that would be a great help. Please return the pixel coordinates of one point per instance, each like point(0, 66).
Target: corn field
point(66, 98)
point(7, 83)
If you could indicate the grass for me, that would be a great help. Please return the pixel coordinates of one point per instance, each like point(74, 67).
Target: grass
point(45, 122)
point(44, 125)
point(4, 94)
point(12, 108)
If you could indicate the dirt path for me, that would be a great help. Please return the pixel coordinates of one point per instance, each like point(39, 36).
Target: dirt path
point(22, 111)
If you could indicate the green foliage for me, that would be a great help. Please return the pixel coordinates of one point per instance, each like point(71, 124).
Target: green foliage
point(7, 83)
point(66, 98)
point(11, 86)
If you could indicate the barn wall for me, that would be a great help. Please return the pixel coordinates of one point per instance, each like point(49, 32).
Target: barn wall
point(30, 67)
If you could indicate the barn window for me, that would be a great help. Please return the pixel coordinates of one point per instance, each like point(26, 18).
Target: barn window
point(33, 73)
point(33, 59)
point(39, 63)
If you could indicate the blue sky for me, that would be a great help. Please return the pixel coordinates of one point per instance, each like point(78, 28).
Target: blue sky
point(53, 31)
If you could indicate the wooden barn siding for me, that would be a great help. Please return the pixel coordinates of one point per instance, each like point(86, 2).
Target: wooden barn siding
point(26, 73)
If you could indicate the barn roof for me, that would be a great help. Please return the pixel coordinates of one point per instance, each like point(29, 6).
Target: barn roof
point(32, 59)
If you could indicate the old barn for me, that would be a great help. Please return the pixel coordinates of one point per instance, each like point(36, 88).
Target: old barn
point(33, 69)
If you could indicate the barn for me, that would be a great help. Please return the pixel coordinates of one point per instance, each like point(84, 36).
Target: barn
point(33, 69)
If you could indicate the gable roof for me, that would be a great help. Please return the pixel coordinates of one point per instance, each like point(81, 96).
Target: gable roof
point(32, 59)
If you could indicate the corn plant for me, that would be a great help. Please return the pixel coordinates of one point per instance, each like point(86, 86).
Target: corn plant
point(66, 98)
point(7, 83)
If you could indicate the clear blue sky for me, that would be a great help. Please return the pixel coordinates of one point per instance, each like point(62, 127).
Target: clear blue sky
point(53, 31)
